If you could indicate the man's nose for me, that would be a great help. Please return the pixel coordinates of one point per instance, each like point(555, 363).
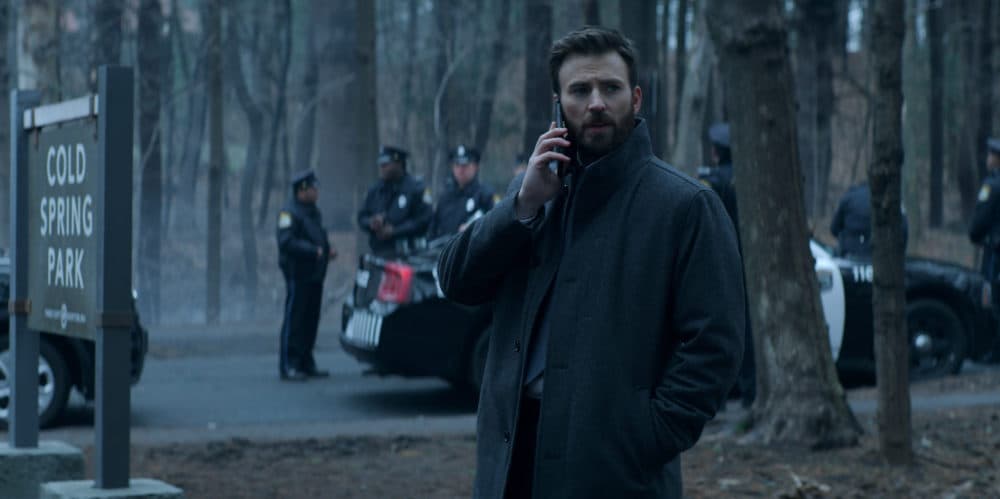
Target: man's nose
point(596, 102)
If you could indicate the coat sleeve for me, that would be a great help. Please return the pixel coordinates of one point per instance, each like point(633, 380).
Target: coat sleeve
point(291, 243)
point(706, 323)
point(420, 216)
point(366, 213)
point(473, 264)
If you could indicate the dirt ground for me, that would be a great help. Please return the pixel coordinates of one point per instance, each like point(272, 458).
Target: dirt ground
point(957, 450)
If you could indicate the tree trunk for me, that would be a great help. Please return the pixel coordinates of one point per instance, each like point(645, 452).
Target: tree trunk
point(681, 66)
point(279, 116)
point(692, 106)
point(6, 65)
point(150, 137)
point(216, 162)
point(366, 116)
point(537, 86)
point(814, 88)
point(984, 84)
point(936, 116)
point(484, 115)
point(255, 121)
point(412, 38)
point(310, 90)
point(888, 289)
point(915, 150)
point(638, 19)
point(108, 28)
point(963, 102)
point(800, 401)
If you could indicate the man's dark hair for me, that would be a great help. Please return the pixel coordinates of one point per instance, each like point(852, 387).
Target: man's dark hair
point(591, 40)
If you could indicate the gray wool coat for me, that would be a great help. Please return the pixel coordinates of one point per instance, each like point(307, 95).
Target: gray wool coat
point(646, 326)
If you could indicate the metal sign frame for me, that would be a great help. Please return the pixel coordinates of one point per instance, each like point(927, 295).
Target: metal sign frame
point(114, 108)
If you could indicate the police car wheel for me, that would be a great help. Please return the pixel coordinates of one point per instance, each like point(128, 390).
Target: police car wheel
point(53, 382)
point(937, 339)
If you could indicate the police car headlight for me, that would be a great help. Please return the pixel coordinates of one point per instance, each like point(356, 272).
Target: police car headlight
point(825, 278)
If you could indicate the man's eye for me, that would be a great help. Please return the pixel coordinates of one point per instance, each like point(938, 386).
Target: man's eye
point(613, 87)
point(578, 91)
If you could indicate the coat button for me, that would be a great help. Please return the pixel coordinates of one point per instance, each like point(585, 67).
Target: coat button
point(517, 346)
point(506, 437)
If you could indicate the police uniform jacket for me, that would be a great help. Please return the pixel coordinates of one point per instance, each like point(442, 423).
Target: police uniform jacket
point(646, 325)
point(720, 179)
point(402, 202)
point(852, 222)
point(458, 205)
point(300, 235)
point(985, 227)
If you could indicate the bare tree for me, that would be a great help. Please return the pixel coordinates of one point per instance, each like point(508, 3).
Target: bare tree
point(639, 22)
point(217, 159)
point(108, 33)
point(693, 104)
point(537, 88)
point(236, 44)
point(150, 56)
point(888, 289)
point(279, 82)
point(936, 117)
point(6, 65)
point(814, 88)
point(800, 400)
point(366, 133)
point(484, 115)
point(680, 62)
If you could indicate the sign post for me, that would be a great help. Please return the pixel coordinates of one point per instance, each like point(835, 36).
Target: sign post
point(71, 267)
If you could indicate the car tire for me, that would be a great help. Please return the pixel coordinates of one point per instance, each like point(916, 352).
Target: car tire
point(53, 382)
point(937, 339)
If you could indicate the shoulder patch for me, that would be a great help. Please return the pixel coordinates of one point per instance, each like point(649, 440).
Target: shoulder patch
point(428, 199)
point(984, 193)
point(496, 198)
point(284, 220)
point(705, 182)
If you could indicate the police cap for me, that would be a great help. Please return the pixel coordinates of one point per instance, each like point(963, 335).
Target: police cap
point(719, 134)
point(388, 154)
point(993, 145)
point(304, 178)
point(464, 155)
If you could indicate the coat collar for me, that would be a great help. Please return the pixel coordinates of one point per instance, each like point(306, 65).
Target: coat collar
point(603, 177)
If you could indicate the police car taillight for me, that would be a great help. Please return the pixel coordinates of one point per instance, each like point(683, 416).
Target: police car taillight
point(397, 279)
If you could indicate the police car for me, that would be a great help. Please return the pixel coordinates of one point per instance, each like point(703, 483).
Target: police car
point(399, 323)
point(64, 362)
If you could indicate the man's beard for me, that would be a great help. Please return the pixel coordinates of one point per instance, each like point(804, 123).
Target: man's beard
point(592, 143)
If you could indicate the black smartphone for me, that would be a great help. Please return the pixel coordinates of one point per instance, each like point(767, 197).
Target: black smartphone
point(557, 117)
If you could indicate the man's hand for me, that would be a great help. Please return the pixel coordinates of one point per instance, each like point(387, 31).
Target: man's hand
point(384, 232)
point(540, 185)
point(376, 222)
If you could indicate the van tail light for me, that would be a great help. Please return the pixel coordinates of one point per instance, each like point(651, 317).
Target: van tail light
point(397, 280)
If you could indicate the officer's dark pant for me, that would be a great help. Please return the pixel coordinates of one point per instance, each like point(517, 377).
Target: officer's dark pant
point(298, 330)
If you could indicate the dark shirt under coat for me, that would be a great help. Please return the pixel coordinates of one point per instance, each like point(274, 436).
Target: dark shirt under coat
point(457, 205)
point(404, 207)
point(647, 326)
point(300, 241)
point(985, 227)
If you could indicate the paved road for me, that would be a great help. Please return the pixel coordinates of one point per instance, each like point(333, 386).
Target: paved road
point(215, 384)
point(219, 384)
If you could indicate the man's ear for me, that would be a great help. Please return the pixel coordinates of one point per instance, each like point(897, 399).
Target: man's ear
point(636, 99)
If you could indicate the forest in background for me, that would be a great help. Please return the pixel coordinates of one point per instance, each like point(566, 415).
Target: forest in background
point(233, 96)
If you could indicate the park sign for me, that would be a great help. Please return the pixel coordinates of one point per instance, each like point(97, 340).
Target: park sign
point(63, 228)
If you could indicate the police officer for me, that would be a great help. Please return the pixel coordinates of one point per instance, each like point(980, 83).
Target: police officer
point(304, 252)
point(852, 223)
point(720, 178)
point(396, 212)
point(720, 175)
point(464, 199)
point(985, 227)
